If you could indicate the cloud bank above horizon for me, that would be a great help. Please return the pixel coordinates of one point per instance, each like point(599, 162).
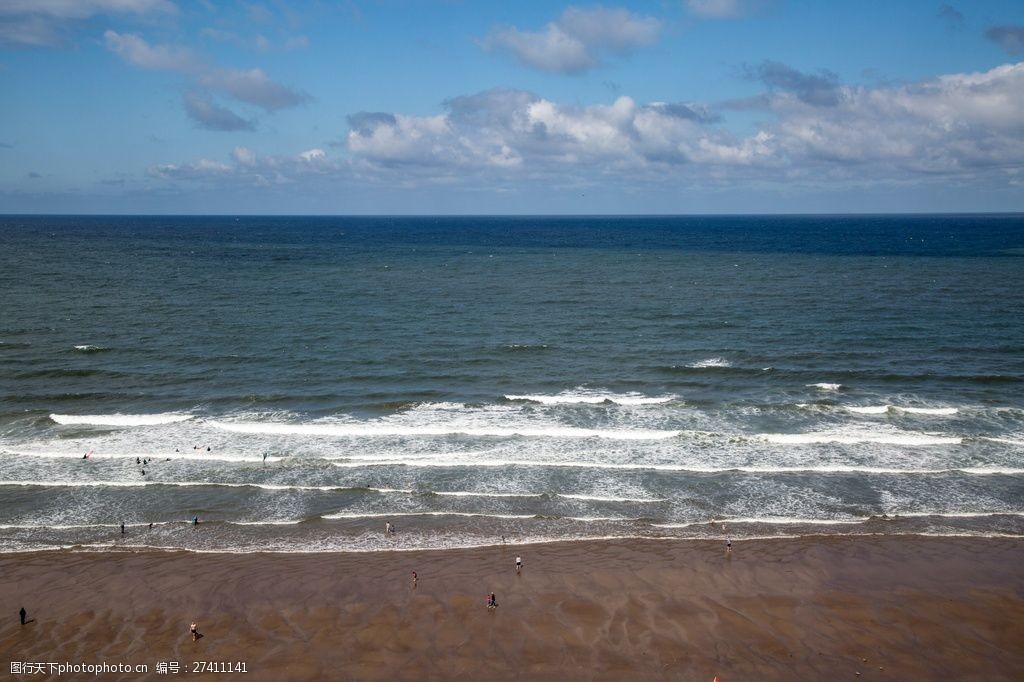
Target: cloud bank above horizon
point(249, 110)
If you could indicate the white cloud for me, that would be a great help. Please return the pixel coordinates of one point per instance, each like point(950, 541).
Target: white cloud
point(958, 128)
point(137, 52)
point(959, 124)
point(248, 168)
point(41, 23)
point(575, 42)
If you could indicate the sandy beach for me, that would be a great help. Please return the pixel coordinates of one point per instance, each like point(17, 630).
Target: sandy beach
point(909, 608)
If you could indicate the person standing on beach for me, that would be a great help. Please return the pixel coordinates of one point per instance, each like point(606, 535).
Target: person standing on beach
point(415, 578)
point(194, 629)
point(122, 528)
point(728, 545)
point(22, 613)
point(519, 564)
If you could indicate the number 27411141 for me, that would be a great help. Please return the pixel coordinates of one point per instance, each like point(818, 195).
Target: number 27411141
point(219, 667)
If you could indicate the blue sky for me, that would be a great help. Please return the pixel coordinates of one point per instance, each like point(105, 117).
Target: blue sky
point(412, 106)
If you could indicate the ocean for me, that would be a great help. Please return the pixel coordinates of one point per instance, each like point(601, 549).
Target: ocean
point(298, 382)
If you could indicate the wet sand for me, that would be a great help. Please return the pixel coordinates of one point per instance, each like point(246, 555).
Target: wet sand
point(906, 608)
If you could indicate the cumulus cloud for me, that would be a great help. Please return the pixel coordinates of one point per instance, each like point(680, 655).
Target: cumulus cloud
point(716, 9)
point(962, 127)
point(137, 52)
point(958, 124)
point(1010, 37)
point(820, 89)
point(577, 40)
point(42, 23)
point(505, 128)
point(211, 116)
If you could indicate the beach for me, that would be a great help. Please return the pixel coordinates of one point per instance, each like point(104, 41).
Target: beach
point(883, 607)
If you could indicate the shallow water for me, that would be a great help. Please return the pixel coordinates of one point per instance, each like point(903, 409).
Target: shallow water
point(297, 382)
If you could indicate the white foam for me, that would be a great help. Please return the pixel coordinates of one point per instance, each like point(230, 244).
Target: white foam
point(868, 409)
point(76, 526)
point(597, 498)
point(784, 520)
point(884, 409)
point(460, 493)
point(950, 515)
point(1005, 441)
point(198, 484)
point(85, 348)
point(293, 522)
point(379, 429)
point(374, 515)
point(120, 419)
point(852, 438)
point(571, 398)
point(640, 466)
point(825, 386)
point(710, 362)
point(195, 455)
point(941, 411)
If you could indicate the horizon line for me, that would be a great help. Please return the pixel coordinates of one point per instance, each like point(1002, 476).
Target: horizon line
point(513, 215)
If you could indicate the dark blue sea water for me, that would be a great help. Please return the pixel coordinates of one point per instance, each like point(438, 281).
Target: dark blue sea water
point(298, 382)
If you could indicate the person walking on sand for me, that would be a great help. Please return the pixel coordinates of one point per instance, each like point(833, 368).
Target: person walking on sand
point(194, 629)
point(415, 578)
point(728, 545)
point(122, 528)
point(22, 613)
point(519, 564)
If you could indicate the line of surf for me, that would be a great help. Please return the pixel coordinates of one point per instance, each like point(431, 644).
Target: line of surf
point(120, 419)
point(592, 399)
point(394, 430)
point(836, 469)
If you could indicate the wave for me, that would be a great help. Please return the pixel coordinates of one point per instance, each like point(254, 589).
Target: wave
point(536, 517)
point(120, 419)
point(854, 438)
point(374, 515)
point(825, 386)
point(191, 455)
point(383, 429)
point(80, 526)
point(947, 515)
point(86, 348)
point(592, 399)
point(201, 484)
point(884, 409)
point(1005, 441)
point(774, 520)
point(597, 498)
point(725, 469)
point(850, 521)
point(710, 362)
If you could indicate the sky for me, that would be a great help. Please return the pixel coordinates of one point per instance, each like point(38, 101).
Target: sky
point(466, 107)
